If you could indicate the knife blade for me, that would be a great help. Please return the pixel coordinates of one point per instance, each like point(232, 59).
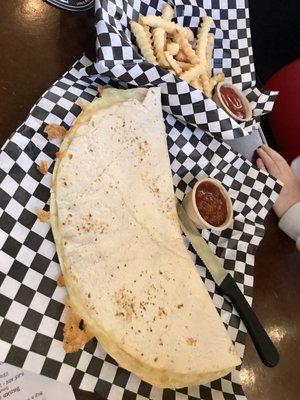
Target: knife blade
point(210, 260)
point(227, 285)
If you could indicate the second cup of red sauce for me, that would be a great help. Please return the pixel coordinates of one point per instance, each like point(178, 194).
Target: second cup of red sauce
point(233, 101)
point(208, 205)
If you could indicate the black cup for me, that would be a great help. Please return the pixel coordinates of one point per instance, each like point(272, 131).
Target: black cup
point(73, 5)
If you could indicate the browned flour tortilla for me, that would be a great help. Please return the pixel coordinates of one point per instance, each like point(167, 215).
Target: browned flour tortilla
point(127, 271)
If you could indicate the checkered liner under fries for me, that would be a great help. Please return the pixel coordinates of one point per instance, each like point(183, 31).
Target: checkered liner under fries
point(186, 48)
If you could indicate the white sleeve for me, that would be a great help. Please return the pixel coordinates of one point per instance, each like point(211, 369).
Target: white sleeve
point(290, 223)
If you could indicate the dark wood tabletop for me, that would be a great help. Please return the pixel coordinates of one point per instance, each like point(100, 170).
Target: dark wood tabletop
point(40, 42)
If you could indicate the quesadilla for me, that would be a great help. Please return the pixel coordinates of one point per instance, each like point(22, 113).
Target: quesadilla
point(127, 271)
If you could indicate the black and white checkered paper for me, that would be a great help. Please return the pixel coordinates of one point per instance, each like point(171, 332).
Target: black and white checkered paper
point(32, 305)
point(119, 58)
point(32, 312)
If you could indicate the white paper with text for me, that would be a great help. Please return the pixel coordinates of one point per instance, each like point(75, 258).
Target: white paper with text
point(17, 384)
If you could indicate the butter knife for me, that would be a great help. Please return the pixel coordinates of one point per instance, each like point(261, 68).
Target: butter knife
point(227, 286)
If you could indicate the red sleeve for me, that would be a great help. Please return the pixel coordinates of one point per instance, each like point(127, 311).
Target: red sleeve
point(285, 117)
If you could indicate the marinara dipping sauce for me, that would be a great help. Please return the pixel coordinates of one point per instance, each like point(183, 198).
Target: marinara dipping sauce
point(233, 101)
point(211, 203)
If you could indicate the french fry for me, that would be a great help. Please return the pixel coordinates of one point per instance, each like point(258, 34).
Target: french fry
point(170, 27)
point(197, 84)
point(205, 83)
point(210, 83)
point(186, 47)
point(148, 33)
point(193, 73)
point(214, 80)
point(188, 33)
point(184, 65)
point(143, 42)
point(168, 12)
point(173, 63)
point(158, 22)
point(173, 48)
point(217, 78)
point(180, 56)
point(209, 53)
point(202, 38)
point(159, 42)
point(168, 44)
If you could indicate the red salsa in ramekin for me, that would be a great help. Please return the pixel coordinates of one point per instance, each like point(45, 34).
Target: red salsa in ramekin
point(209, 205)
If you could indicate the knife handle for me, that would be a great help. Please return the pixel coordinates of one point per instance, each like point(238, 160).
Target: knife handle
point(262, 342)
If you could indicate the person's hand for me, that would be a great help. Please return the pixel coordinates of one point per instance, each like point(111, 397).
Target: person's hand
point(269, 160)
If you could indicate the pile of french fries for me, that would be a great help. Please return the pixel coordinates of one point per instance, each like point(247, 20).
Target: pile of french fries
point(165, 43)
